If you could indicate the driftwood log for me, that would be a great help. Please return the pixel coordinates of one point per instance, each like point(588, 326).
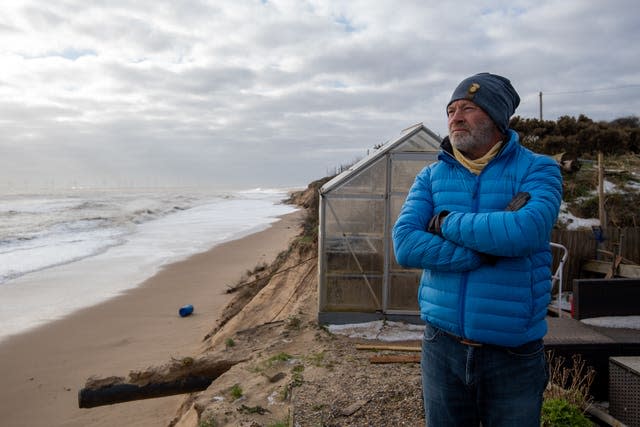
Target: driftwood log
point(126, 392)
point(180, 376)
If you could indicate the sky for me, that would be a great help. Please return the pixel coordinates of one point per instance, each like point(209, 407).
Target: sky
point(277, 93)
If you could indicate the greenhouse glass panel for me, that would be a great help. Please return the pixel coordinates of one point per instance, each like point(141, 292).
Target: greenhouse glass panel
point(354, 254)
point(370, 180)
point(353, 217)
point(396, 200)
point(403, 291)
point(404, 171)
point(354, 292)
point(396, 204)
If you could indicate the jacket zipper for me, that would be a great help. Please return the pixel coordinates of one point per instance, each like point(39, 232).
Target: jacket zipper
point(465, 277)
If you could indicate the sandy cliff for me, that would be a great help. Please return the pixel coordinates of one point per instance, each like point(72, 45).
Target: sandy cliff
point(292, 370)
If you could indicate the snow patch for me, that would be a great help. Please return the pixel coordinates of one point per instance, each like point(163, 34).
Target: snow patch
point(626, 322)
point(573, 222)
point(634, 185)
point(610, 187)
point(380, 330)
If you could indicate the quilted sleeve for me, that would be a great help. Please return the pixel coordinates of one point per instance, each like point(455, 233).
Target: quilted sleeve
point(517, 233)
point(415, 247)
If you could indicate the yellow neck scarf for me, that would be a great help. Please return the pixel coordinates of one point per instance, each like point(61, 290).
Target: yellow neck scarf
point(476, 166)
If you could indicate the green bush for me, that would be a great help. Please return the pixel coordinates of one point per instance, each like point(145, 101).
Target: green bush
point(209, 422)
point(560, 413)
point(236, 391)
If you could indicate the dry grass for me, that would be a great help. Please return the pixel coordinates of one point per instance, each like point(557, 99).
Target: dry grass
point(569, 382)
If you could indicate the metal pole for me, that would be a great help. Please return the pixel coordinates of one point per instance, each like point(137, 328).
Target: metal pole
point(540, 105)
point(322, 274)
point(558, 275)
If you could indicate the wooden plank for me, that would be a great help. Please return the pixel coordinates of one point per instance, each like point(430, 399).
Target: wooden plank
point(612, 255)
point(604, 267)
point(395, 358)
point(630, 271)
point(595, 266)
point(614, 267)
point(386, 347)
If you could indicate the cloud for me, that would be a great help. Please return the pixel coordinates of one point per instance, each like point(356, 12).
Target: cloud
point(280, 91)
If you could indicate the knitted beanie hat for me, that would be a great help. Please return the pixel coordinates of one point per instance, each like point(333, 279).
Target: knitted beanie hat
point(493, 93)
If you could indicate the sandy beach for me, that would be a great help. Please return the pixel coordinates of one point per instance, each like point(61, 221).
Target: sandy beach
point(43, 369)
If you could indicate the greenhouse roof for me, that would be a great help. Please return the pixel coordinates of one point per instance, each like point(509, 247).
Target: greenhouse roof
point(415, 139)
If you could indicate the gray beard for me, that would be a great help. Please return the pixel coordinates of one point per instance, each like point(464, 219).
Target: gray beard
point(474, 140)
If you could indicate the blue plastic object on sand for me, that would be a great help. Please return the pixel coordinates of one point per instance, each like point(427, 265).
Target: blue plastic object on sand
point(185, 310)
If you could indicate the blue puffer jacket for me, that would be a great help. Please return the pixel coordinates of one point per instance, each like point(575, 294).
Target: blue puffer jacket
point(502, 303)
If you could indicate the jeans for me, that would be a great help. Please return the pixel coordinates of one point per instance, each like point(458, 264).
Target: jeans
point(496, 386)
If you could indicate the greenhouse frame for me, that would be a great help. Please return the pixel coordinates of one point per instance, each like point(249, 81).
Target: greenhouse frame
point(359, 279)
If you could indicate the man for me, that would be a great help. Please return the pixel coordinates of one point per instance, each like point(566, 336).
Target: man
point(478, 223)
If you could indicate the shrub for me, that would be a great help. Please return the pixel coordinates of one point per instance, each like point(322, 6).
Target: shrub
point(560, 413)
point(236, 391)
point(280, 357)
point(294, 323)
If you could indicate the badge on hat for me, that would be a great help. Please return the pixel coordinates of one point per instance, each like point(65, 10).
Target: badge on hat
point(471, 92)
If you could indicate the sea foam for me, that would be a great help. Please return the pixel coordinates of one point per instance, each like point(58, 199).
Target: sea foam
point(62, 253)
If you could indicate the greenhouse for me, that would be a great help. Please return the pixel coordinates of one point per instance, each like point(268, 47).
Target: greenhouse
point(359, 278)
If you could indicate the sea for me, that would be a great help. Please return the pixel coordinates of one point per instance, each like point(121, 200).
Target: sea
point(72, 249)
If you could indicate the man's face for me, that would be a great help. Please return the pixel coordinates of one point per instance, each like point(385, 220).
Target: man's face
point(471, 130)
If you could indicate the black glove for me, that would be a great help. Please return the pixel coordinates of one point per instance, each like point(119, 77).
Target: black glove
point(518, 201)
point(435, 223)
point(488, 259)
